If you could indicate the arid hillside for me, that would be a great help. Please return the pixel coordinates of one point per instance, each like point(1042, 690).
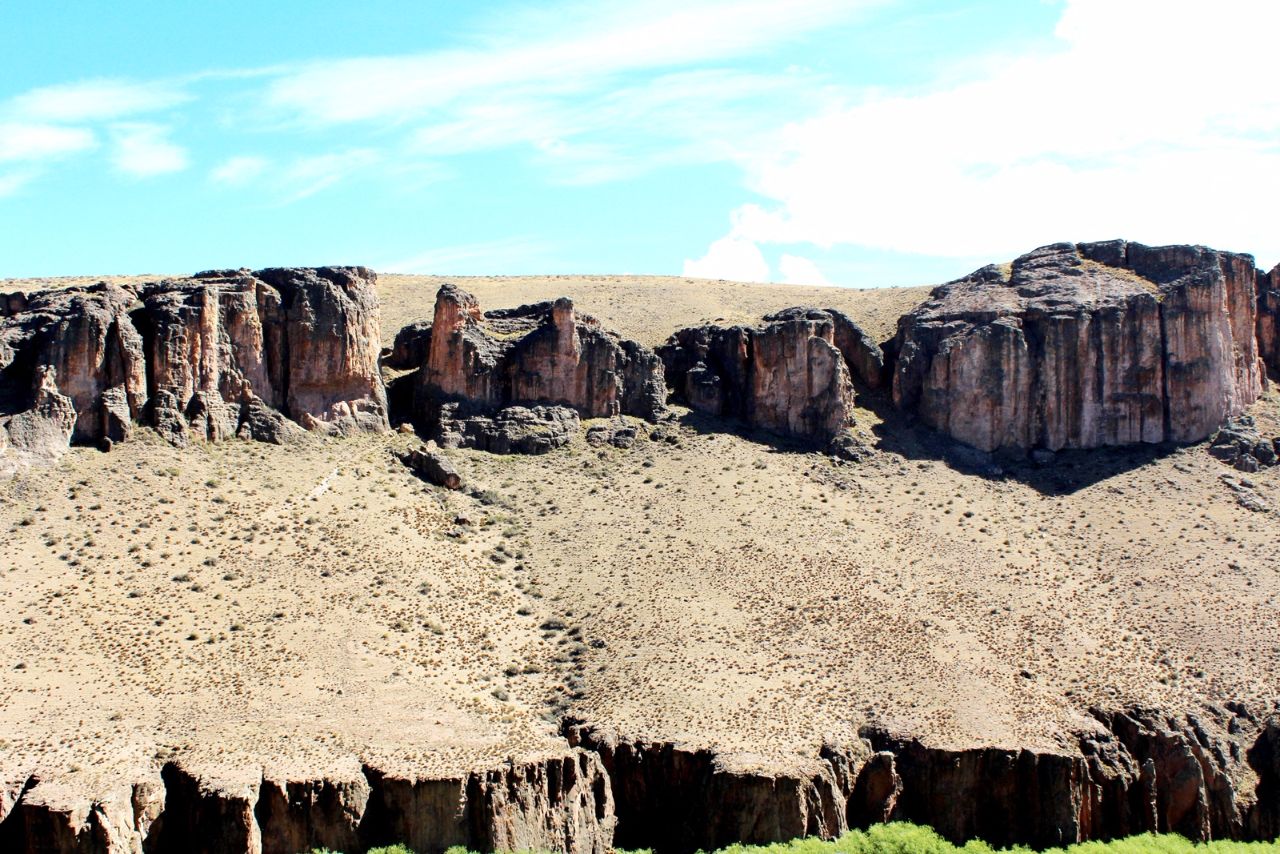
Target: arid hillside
point(236, 618)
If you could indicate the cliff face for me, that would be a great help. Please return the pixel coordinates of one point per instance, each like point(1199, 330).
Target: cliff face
point(206, 357)
point(792, 375)
point(559, 803)
point(1210, 777)
point(1079, 346)
point(1269, 318)
point(538, 354)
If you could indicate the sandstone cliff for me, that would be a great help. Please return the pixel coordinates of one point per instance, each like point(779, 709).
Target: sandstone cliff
point(1078, 346)
point(544, 353)
point(792, 375)
point(221, 353)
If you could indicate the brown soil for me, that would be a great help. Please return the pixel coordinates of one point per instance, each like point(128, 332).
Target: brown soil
point(242, 605)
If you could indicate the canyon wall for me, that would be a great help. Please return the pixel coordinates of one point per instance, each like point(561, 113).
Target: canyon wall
point(1079, 346)
point(546, 353)
point(221, 353)
point(555, 803)
point(792, 375)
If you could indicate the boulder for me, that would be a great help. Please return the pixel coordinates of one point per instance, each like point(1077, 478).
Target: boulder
point(787, 375)
point(1080, 346)
point(433, 467)
point(471, 365)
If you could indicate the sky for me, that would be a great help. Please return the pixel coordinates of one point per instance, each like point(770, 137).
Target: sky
point(859, 143)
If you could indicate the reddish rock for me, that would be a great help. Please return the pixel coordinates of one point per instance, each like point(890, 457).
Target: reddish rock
point(1083, 346)
point(222, 353)
point(546, 353)
point(787, 375)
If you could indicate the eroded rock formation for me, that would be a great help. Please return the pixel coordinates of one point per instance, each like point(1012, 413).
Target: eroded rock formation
point(215, 355)
point(1215, 776)
point(556, 803)
point(792, 375)
point(469, 364)
point(1079, 346)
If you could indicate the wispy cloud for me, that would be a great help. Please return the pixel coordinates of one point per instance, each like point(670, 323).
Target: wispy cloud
point(568, 50)
point(306, 176)
point(144, 150)
point(238, 171)
point(37, 142)
point(95, 100)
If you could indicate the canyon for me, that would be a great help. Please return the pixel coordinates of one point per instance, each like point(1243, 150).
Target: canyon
point(656, 625)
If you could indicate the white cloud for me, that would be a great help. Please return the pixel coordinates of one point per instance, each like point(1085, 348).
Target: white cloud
point(567, 50)
point(144, 150)
point(12, 182)
point(95, 100)
point(307, 176)
point(1154, 121)
point(797, 270)
point(238, 171)
point(730, 257)
point(34, 142)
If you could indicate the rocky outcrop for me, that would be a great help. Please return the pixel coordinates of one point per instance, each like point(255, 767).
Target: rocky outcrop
point(556, 803)
point(529, 430)
point(469, 364)
point(671, 798)
point(433, 467)
point(792, 375)
point(1269, 318)
point(1215, 776)
point(1080, 346)
point(1239, 444)
point(222, 353)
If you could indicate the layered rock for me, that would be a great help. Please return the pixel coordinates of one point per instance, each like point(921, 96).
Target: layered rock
point(1080, 346)
point(476, 363)
point(221, 353)
point(792, 375)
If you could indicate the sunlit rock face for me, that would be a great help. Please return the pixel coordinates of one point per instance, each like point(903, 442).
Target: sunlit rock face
point(1085, 345)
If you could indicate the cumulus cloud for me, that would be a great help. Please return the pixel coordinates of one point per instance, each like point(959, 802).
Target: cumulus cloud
point(1157, 122)
point(144, 150)
point(730, 257)
point(797, 270)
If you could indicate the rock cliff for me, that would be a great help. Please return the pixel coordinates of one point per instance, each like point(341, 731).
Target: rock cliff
point(792, 375)
point(556, 803)
point(1269, 318)
point(1079, 346)
point(546, 353)
point(220, 353)
point(1213, 776)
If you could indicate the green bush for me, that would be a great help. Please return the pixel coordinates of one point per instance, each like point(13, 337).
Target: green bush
point(904, 838)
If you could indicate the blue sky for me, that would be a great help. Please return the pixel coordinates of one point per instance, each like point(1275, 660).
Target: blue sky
point(855, 142)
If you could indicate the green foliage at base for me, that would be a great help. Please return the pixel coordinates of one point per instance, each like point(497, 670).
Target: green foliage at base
point(903, 838)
